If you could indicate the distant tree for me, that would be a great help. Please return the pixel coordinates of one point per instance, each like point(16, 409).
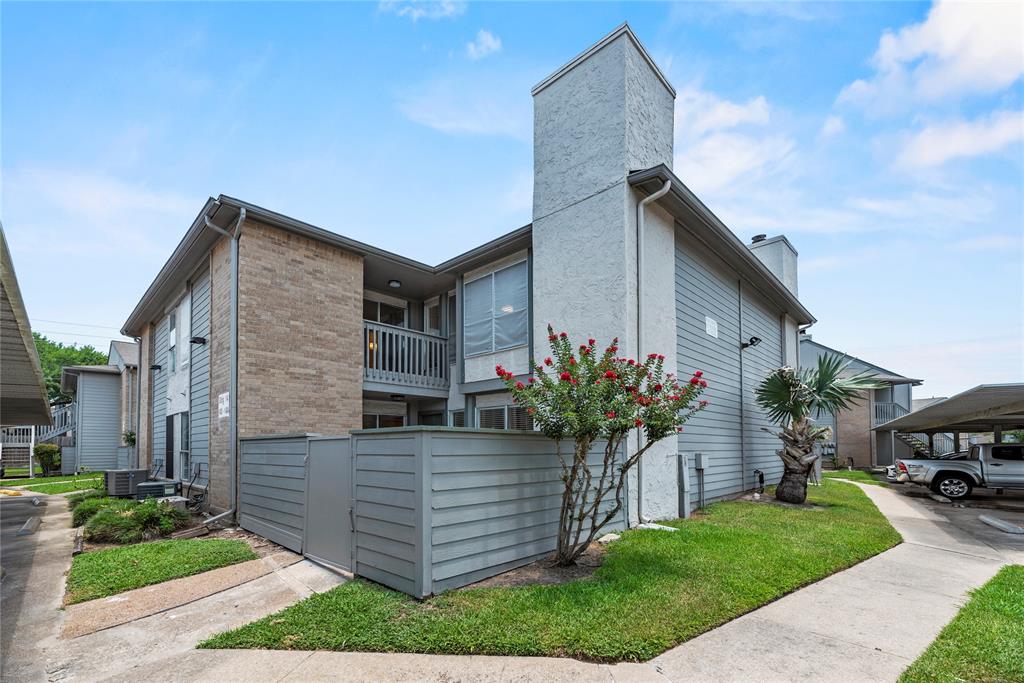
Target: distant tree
point(54, 356)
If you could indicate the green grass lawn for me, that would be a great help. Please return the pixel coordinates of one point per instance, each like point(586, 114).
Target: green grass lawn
point(655, 590)
point(985, 642)
point(25, 481)
point(65, 486)
point(21, 471)
point(855, 475)
point(108, 572)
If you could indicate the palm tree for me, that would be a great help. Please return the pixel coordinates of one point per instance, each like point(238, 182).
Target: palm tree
point(790, 398)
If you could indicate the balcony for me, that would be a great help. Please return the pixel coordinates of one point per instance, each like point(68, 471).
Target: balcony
point(404, 361)
point(884, 412)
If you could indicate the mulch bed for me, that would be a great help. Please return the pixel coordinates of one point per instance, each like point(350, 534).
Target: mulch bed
point(546, 573)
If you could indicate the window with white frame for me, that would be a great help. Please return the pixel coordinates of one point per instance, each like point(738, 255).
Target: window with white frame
point(495, 311)
point(172, 338)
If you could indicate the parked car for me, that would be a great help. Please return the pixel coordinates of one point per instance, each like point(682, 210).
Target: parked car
point(996, 466)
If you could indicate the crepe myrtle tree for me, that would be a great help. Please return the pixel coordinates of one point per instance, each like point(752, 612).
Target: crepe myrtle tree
point(585, 395)
point(791, 397)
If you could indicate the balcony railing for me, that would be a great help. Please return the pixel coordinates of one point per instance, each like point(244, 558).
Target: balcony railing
point(885, 412)
point(16, 435)
point(63, 422)
point(395, 355)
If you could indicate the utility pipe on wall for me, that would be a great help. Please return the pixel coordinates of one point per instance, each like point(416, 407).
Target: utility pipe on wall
point(138, 405)
point(234, 236)
point(640, 213)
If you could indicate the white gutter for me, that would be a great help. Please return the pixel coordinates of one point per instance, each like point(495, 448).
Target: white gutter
point(234, 236)
point(641, 208)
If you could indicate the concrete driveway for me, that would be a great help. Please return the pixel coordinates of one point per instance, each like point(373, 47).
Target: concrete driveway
point(33, 584)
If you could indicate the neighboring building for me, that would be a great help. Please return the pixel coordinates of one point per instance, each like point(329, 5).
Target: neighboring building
point(23, 403)
point(853, 438)
point(90, 428)
point(336, 335)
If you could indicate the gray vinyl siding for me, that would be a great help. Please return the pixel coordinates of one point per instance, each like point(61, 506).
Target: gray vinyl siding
point(199, 381)
point(760, 320)
point(272, 488)
point(437, 508)
point(69, 460)
point(160, 397)
point(99, 426)
point(706, 287)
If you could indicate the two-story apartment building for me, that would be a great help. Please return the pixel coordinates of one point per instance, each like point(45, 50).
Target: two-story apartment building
point(852, 435)
point(260, 323)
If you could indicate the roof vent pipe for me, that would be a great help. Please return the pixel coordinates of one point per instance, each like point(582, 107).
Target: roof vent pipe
point(758, 238)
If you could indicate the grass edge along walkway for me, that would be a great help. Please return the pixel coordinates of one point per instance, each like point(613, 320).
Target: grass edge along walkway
point(985, 641)
point(102, 573)
point(654, 590)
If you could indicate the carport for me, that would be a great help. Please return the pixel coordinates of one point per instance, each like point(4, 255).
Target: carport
point(985, 408)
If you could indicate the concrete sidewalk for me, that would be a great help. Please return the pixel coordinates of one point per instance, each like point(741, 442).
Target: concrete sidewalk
point(863, 624)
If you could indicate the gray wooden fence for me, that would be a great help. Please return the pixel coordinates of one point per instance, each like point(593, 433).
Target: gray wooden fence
point(441, 507)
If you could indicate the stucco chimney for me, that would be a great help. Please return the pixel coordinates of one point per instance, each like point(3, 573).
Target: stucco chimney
point(607, 112)
point(781, 258)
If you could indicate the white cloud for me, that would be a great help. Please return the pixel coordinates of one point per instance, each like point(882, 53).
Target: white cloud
point(486, 43)
point(478, 106)
point(720, 142)
point(938, 143)
point(991, 243)
point(423, 9)
point(833, 126)
point(960, 48)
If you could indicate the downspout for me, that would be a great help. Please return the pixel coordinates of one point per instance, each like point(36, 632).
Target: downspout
point(640, 213)
point(234, 236)
point(138, 403)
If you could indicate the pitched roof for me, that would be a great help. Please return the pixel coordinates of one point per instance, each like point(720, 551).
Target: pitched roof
point(129, 351)
point(880, 373)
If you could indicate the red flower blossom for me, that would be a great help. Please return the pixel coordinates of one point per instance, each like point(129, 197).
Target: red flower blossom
point(694, 381)
point(639, 422)
point(532, 380)
point(661, 357)
point(572, 361)
point(548, 361)
point(613, 348)
point(610, 374)
point(563, 335)
point(591, 342)
point(610, 414)
point(499, 370)
point(699, 373)
point(531, 410)
point(703, 384)
point(658, 387)
point(703, 404)
point(565, 376)
point(652, 356)
point(520, 385)
point(552, 337)
point(631, 361)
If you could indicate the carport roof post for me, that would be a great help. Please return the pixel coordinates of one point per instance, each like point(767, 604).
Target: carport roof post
point(983, 408)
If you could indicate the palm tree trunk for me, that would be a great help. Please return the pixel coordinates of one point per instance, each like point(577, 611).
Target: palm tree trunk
point(793, 487)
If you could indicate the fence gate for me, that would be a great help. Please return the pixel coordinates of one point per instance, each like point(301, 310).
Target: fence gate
point(272, 488)
point(328, 531)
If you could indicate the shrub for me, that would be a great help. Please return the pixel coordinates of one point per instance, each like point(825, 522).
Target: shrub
point(87, 507)
point(76, 499)
point(48, 456)
point(126, 521)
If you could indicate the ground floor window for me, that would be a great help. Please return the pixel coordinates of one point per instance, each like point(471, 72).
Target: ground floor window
point(377, 421)
point(458, 418)
point(504, 417)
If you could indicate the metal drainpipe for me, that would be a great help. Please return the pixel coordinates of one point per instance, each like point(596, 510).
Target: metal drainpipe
point(234, 236)
point(640, 213)
point(138, 404)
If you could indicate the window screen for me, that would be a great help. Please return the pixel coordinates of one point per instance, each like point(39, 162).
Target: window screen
point(458, 418)
point(391, 421)
point(451, 329)
point(1008, 452)
point(492, 418)
point(518, 418)
point(496, 311)
point(369, 421)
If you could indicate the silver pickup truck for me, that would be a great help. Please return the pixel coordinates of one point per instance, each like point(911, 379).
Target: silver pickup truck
point(993, 465)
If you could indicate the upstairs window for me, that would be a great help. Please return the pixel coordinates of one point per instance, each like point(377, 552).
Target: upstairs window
point(172, 338)
point(380, 312)
point(496, 313)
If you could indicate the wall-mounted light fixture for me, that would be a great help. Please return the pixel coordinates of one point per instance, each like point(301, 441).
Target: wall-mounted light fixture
point(155, 368)
point(394, 284)
point(197, 340)
point(753, 341)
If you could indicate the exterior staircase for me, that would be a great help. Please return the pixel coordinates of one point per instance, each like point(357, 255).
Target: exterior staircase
point(918, 443)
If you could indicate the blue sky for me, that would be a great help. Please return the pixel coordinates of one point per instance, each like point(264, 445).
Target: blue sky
point(885, 140)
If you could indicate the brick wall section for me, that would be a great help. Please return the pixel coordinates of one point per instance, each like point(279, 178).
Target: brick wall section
point(143, 438)
point(220, 369)
point(128, 379)
point(854, 437)
point(300, 335)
